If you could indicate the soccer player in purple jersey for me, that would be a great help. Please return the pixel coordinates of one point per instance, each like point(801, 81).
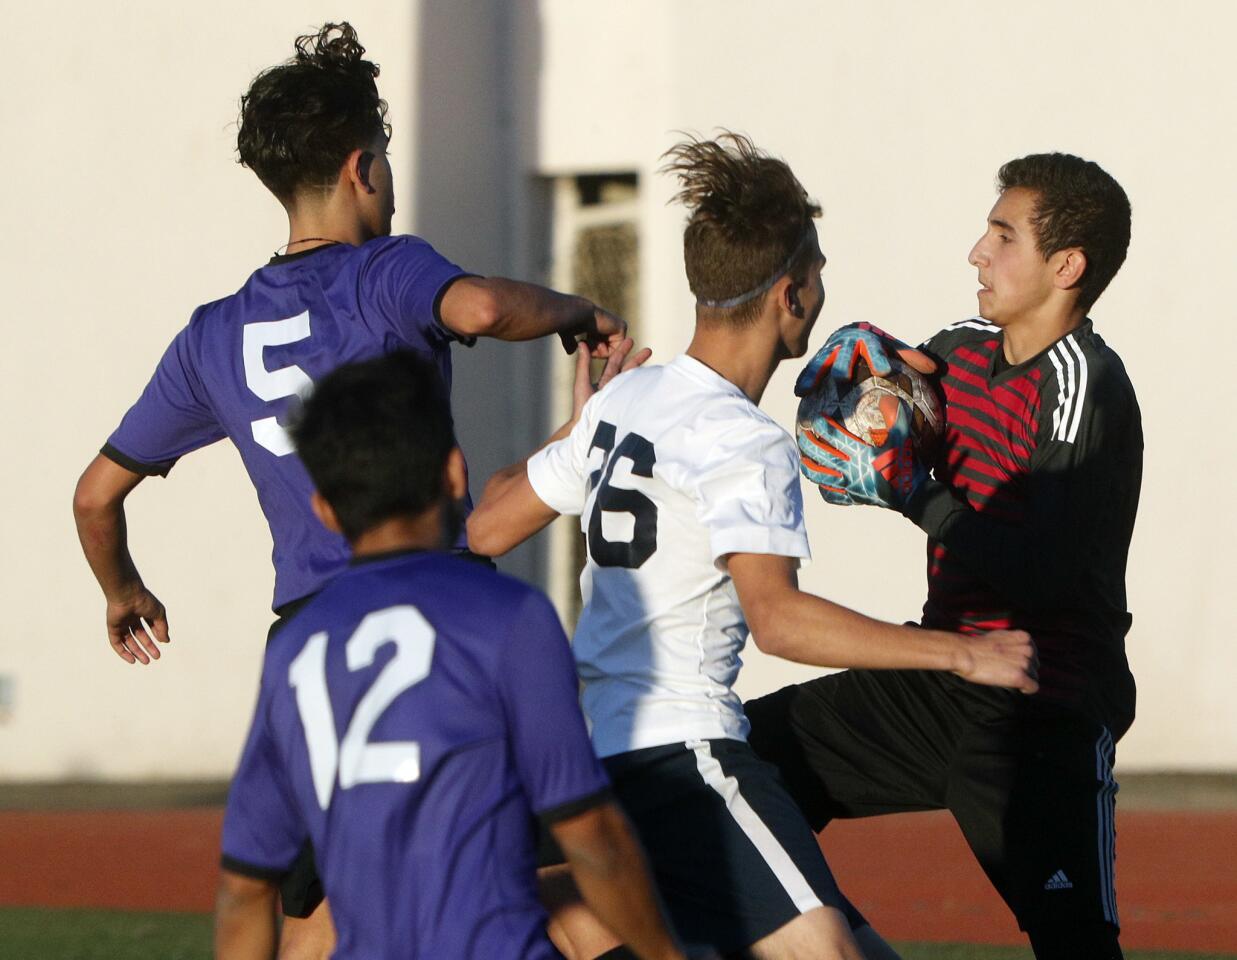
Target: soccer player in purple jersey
point(314, 131)
point(1029, 519)
point(415, 714)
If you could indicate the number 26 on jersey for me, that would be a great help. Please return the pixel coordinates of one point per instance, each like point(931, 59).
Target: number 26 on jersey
point(632, 553)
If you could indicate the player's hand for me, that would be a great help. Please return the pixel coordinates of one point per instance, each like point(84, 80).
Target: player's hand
point(131, 622)
point(1000, 658)
point(618, 360)
point(837, 358)
point(850, 472)
point(601, 332)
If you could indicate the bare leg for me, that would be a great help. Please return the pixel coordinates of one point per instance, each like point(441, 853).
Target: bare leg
point(820, 934)
point(312, 938)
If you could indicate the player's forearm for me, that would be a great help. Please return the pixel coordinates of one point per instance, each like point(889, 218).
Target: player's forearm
point(486, 531)
point(508, 513)
point(513, 310)
point(809, 629)
point(611, 873)
point(99, 513)
point(529, 311)
point(102, 531)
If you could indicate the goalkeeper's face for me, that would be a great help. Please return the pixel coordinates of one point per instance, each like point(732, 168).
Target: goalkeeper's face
point(1016, 282)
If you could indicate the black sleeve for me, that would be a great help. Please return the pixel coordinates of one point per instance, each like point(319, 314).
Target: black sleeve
point(457, 337)
point(233, 865)
point(1082, 494)
point(566, 811)
point(136, 466)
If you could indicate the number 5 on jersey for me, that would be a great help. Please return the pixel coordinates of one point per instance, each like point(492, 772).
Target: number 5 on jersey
point(629, 554)
point(288, 381)
point(354, 759)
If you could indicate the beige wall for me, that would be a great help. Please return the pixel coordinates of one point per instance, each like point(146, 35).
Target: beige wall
point(896, 116)
point(125, 210)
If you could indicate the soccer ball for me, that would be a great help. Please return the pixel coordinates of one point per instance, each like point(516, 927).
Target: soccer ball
point(867, 406)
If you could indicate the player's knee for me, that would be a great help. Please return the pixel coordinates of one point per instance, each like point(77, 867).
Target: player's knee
point(1096, 941)
point(820, 934)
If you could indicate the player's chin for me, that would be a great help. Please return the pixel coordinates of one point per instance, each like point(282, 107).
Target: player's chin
point(796, 350)
point(989, 311)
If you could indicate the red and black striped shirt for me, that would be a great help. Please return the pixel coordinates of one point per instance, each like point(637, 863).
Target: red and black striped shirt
point(1031, 511)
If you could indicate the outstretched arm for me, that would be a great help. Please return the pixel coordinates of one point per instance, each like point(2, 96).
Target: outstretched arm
point(133, 612)
point(513, 310)
point(509, 511)
point(609, 869)
point(789, 623)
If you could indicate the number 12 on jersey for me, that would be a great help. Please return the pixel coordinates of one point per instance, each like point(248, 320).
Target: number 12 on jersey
point(354, 759)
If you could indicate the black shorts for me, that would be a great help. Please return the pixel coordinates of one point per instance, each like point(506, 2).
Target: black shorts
point(1032, 790)
point(731, 854)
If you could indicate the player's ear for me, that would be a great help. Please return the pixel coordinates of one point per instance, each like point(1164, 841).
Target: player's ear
point(325, 512)
point(1071, 265)
point(455, 475)
point(787, 291)
point(356, 169)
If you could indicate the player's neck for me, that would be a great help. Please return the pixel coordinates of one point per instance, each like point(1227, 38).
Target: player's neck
point(746, 357)
point(424, 531)
point(1029, 336)
point(329, 219)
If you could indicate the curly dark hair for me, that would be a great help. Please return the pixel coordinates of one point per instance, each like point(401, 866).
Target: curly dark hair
point(374, 437)
point(748, 215)
point(1077, 204)
point(300, 119)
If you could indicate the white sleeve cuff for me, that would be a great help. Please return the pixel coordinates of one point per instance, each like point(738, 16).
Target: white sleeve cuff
point(547, 482)
point(778, 542)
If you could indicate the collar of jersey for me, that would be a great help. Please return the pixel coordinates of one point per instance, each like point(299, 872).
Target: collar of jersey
point(702, 371)
point(999, 371)
point(283, 258)
point(356, 561)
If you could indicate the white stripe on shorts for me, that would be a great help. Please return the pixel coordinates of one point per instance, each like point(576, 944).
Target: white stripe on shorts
point(793, 882)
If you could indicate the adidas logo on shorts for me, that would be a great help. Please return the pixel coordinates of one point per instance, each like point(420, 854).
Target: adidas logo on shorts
point(1059, 881)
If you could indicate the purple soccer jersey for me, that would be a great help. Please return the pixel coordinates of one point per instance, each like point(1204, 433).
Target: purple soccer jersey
point(242, 362)
point(411, 720)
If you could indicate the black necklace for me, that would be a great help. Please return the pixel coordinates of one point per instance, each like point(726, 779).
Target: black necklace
point(290, 243)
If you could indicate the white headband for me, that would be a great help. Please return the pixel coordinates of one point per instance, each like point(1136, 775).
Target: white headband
point(808, 234)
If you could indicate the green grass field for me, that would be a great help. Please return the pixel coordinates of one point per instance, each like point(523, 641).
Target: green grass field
point(42, 934)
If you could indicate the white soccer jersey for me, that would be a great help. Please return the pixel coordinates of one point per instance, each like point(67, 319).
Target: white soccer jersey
point(670, 469)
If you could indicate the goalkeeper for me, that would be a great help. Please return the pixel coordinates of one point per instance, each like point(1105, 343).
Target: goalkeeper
point(1029, 517)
